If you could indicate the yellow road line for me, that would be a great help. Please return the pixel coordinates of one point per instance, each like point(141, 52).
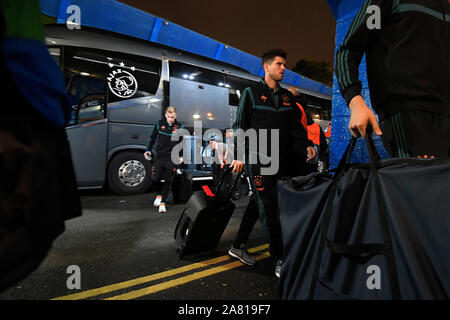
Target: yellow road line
point(182, 280)
point(153, 277)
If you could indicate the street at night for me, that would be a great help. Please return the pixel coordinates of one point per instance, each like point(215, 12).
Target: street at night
point(122, 245)
point(206, 159)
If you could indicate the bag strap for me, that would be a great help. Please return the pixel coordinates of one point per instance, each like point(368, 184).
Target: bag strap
point(345, 159)
point(372, 149)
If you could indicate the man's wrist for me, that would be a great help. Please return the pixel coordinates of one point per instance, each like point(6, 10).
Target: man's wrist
point(350, 93)
point(356, 102)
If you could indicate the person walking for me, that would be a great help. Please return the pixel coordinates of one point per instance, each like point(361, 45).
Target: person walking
point(159, 147)
point(267, 108)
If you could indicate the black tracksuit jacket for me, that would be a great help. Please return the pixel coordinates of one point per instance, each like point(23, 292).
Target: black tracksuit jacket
point(258, 110)
point(407, 58)
point(160, 141)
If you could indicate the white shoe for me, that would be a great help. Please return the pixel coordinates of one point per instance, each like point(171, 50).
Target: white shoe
point(157, 201)
point(278, 268)
point(162, 208)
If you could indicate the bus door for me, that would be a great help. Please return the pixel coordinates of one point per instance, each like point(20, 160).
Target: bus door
point(85, 76)
point(199, 94)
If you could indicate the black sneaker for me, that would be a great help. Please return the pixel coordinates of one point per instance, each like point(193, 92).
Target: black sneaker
point(236, 196)
point(242, 255)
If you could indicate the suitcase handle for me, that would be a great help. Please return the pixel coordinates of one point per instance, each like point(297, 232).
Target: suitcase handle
point(227, 171)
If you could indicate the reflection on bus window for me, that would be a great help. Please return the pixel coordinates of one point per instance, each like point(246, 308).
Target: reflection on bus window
point(237, 86)
point(87, 95)
point(197, 74)
point(86, 86)
point(126, 76)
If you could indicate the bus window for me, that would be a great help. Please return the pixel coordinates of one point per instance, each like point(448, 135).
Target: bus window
point(126, 76)
point(319, 106)
point(91, 103)
point(86, 86)
point(189, 72)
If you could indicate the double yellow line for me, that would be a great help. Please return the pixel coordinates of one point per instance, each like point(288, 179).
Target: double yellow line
point(168, 284)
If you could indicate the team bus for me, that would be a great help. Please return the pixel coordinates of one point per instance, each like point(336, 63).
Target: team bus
point(119, 87)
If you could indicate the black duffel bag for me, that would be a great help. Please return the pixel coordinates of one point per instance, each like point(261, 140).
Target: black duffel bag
point(377, 230)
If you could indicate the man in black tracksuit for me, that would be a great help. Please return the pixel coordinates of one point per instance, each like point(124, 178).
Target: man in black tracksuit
point(408, 69)
point(270, 107)
point(160, 145)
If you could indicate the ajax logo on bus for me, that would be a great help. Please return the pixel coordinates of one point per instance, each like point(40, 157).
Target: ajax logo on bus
point(122, 83)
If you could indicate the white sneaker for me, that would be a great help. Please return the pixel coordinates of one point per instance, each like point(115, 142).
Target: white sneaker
point(162, 208)
point(278, 268)
point(157, 201)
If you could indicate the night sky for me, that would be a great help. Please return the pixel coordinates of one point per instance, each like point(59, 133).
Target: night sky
point(303, 28)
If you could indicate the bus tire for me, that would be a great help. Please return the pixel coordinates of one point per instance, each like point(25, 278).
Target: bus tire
point(129, 173)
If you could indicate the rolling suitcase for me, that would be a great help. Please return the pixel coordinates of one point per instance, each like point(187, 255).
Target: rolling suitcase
point(203, 220)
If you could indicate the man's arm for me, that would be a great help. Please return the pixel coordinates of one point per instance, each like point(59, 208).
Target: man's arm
point(303, 119)
point(242, 123)
point(301, 144)
point(348, 59)
point(152, 137)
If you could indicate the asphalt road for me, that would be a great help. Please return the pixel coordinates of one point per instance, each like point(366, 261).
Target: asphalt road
point(122, 248)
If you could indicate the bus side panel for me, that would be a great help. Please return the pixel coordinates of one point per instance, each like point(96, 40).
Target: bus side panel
point(88, 149)
point(146, 110)
point(128, 134)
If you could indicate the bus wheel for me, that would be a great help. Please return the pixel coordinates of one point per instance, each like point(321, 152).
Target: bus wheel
point(129, 173)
